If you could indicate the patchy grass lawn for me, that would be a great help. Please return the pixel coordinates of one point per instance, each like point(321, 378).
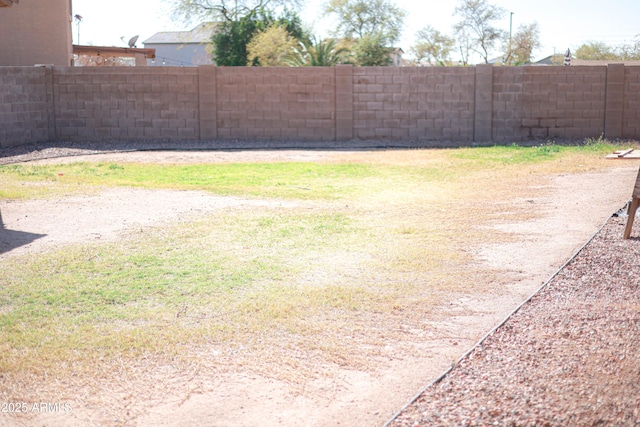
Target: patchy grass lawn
point(374, 245)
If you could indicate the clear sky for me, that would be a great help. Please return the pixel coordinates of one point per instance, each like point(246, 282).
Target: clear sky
point(563, 23)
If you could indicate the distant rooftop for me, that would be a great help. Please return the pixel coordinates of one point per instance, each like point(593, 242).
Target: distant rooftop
point(558, 59)
point(200, 34)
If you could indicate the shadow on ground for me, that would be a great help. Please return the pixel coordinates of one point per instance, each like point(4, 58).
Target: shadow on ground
point(11, 239)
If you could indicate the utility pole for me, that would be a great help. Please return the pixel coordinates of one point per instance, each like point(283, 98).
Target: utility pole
point(78, 19)
point(510, 53)
point(510, 28)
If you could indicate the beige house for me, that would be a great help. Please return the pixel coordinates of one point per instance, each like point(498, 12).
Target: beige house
point(35, 32)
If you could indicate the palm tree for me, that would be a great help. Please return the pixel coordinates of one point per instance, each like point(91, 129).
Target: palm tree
point(321, 53)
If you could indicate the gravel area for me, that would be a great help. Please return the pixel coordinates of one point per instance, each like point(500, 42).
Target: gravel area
point(568, 357)
point(30, 152)
point(46, 150)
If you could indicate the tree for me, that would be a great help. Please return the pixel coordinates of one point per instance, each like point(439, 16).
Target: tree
point(475, 27)
point(597, 51)
point(320, 53)
point(433, 46)
point(226, 10)
point(465, 42)
point(603, 52)
point(360, 18)
point(630, 52)
point(370, 52)
point(232, 37)
point(270, 47)
point(523, 43)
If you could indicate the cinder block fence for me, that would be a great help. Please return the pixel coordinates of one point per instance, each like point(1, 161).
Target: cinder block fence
point(425, 106)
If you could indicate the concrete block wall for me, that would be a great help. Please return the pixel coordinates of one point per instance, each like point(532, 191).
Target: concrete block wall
point(483, 104)
point(344, 102)
point(24, 105)
point(94, 103)
point(548, 102)
point(614, 101)
point(276, 103)
point(631, 103)
point(423, 104)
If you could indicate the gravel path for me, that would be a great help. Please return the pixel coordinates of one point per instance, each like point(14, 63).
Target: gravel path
point(30, 152)
point(569, 357)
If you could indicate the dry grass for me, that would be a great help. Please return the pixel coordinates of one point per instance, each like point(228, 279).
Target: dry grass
point(285, 292)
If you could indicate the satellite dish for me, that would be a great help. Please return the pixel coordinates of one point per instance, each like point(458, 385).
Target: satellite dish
point(132, 42)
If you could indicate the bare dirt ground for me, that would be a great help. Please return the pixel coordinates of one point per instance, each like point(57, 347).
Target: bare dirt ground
point(564, 216)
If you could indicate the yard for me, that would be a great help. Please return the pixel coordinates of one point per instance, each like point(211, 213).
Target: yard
point(246, 288)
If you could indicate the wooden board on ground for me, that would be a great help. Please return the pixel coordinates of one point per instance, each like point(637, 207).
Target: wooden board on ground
point(625, 154)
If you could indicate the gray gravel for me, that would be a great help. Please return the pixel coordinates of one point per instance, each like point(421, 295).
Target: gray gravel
point(569, 357)
point(30, 152)
point(45, 150)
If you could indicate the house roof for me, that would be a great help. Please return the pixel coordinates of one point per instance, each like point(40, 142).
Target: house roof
point(200, 34)
point(558, 59)
point(8, 3)
point(113, 51)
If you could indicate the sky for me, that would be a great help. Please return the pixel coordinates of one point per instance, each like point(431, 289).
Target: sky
point(563, 23)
